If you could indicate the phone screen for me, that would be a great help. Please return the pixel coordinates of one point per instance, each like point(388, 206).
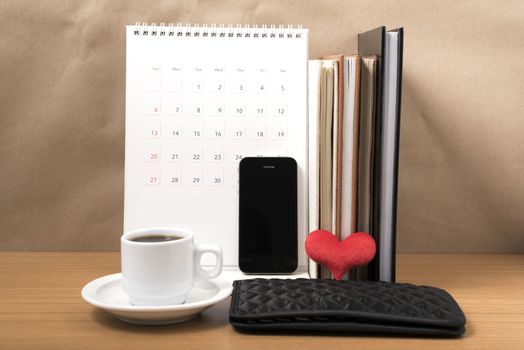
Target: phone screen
point(268, 215)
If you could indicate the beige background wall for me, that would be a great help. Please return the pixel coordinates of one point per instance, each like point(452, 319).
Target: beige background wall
point(62, 79)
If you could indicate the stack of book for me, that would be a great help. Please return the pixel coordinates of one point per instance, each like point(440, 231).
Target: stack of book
point(354, 123)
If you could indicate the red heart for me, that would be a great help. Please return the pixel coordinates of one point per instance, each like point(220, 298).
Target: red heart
point(357, 249)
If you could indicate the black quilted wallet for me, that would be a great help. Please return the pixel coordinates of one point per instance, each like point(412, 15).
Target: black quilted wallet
point(344, 306)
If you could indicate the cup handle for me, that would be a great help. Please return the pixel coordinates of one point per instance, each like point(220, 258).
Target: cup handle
point(200, 273)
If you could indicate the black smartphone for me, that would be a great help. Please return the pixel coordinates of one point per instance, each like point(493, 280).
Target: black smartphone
point(268, 215)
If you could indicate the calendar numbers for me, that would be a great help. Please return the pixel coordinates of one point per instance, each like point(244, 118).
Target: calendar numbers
point(256, 131)
point(173, 105)
point(256, 107)
point(173, 130)
point(172, 153)
point(281, 86)
point(153, 157)
point(195, 107)
point(280, 80)
point(214, 176)
point(238, 80)
point(214, 152)
point(193, 153)
point(215, 130)
point(153, 180)
point(236, 155)
point(279, 108)
point(216, 80)
point(260, 85)
point(195, 130)
point(278, 131)
point(200, 121)
point(237, 107)
point(151, 130)
point(151, 103)
point(172, 176)
point(152, 154)
point(236, 131)
point(196, 80)
point(215, 107)
point(193, 176)
point(258, 79)
point(151, 177)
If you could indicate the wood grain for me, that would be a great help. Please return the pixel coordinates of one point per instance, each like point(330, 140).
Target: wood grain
point(41, 308)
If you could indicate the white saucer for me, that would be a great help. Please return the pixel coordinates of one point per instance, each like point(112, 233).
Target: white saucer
point(106, 293)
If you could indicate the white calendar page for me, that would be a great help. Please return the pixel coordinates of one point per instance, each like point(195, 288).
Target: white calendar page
point(198, 100)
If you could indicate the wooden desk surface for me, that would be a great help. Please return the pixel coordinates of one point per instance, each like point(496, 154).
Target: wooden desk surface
point(41, 308)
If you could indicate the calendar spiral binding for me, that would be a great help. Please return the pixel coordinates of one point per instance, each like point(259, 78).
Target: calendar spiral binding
point(219, 31)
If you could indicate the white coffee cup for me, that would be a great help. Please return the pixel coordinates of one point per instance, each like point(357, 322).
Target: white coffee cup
point(162, 273)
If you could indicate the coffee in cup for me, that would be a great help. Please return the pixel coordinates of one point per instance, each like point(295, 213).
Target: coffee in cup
point(153, 238)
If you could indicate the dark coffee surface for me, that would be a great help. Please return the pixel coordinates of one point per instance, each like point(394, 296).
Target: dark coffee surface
point(155, 238)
